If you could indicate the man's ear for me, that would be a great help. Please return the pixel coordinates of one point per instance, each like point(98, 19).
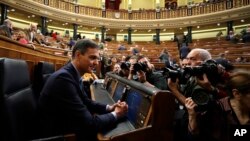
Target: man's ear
point(77, 54)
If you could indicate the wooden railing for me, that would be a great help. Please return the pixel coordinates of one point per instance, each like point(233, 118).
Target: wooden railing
point(13, 49)
point(144, 14)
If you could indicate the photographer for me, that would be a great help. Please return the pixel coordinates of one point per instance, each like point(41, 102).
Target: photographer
point(225, 114)
point(148, 76)
point(127, 66)
point(116, 69)
point(197, 85)
point(195, 58)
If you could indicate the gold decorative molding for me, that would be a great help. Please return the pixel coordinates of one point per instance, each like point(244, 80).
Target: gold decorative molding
point(97, 21)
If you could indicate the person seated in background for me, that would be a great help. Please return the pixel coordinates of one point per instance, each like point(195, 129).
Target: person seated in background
point(240, 60)
point(32, 33)
point(224, 62)
point(53, 35)
point(22, 38)
point(135, 50)
point(224, 114)
point(246, 36)
point(230, 35)
point(6, 28)
point(64, 106)
point(234, 38)
point(122, 47)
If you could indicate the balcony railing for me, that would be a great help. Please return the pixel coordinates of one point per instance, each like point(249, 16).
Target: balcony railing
point(144, 14)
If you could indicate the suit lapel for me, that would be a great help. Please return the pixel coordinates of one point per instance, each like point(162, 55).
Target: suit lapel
point(74, 73)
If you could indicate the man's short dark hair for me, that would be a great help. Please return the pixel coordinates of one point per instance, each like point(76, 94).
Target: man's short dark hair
point(83, 45)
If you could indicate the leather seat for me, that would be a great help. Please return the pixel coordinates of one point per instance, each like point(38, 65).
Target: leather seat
point(18, 107)
point(18, 103)
point(42, 72)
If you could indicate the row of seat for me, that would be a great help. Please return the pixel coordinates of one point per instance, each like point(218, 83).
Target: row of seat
point(18, 99)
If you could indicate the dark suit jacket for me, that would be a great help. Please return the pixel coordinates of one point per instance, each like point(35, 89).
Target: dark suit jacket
point(64, 107)
point(184, 50)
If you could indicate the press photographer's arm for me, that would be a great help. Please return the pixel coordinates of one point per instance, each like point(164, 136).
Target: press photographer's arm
point(174, 87)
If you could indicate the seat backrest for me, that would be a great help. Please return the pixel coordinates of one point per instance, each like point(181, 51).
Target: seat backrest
point(41, 73)
point(18, 105)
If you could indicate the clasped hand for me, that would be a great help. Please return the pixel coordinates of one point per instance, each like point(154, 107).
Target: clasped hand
point(120, 108)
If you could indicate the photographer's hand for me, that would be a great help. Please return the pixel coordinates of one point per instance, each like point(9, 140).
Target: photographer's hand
point(190, 105)
point(192, 123)
point(173, 86)
point(142, 78)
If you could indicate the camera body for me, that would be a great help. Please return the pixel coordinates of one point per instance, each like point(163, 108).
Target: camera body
point(125, 65)
point(208, 67)
point(140, 66)
point(137, 66)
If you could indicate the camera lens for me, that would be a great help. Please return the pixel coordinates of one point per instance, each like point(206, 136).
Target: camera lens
point(200, 97)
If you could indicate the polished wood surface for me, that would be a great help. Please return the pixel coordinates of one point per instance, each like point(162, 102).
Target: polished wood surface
point(13, 49)
point(158, 124)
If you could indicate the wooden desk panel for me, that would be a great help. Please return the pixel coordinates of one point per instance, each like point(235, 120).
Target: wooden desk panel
point(158, 124)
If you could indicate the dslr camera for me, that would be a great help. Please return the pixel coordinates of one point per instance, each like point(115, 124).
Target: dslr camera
point(125, 65)
point(140, 66)
point(202, 97)
point(137, 66)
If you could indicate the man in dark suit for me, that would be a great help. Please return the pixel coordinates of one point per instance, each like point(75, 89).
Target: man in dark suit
point(184, 50)
point(64, 106)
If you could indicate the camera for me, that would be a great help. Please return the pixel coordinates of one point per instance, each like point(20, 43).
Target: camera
point(140, 66)
point(208, 67)
point(125, 65)
point(176, 74)
point(199, 95)
point(137, 66)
